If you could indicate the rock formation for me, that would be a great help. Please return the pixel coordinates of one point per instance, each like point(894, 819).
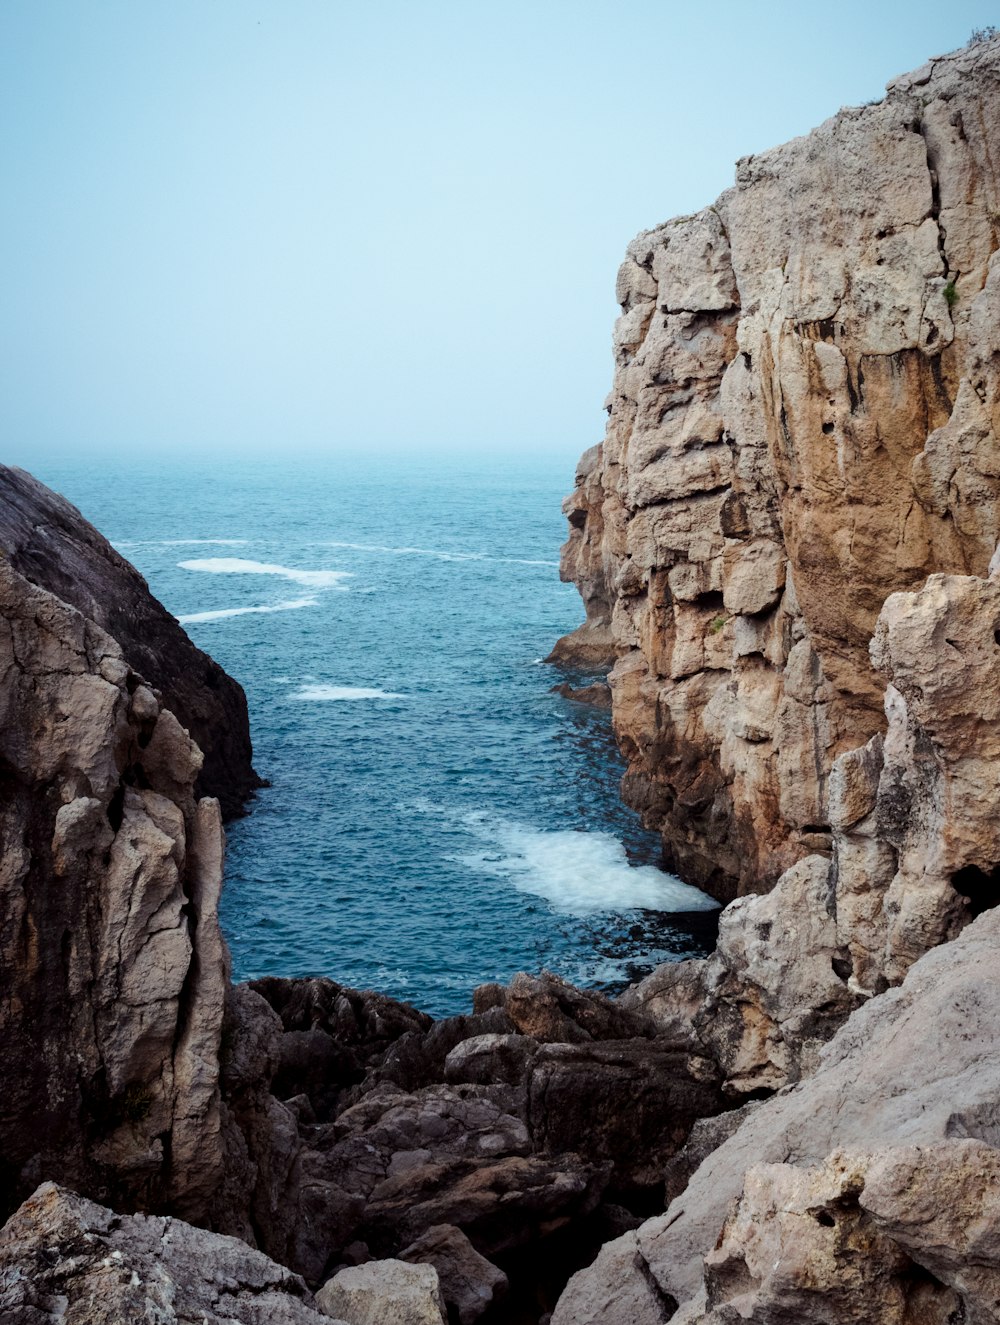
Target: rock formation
point(49, 542)
point(803, 421)
point(787, 542)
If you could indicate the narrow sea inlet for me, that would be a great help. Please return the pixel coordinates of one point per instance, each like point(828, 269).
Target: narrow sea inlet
point(437, 817)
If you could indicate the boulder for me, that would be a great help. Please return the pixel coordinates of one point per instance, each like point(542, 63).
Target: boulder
point(388, 1292)
point(470, 1283)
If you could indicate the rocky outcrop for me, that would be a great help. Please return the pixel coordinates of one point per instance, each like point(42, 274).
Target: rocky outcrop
point(50, 543)
point(64, 1259)
point(803, 421)
point(862, 1193)
point(113, 970)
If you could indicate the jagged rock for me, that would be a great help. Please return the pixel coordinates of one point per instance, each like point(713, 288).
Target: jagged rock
point(111, 952)
point(50, 543)
point(803, 421)
point(64, 1259)
point(490, 1059)
point(670, 999)
point(800, 1247)
point(385, 1292)
point(469, 1282)
point(618, 1287)
point(940, 1203)
point(915, 1066)
point(547, 1008)
point(773, 995)
point(631, 1102)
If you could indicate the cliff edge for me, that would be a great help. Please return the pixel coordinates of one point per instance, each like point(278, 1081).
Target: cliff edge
point(803, 421)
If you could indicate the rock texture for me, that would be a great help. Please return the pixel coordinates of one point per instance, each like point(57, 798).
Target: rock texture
point(803, 421)
point(915, 1067)
point(67, 1260)
point(113, 971)
point(50, 543)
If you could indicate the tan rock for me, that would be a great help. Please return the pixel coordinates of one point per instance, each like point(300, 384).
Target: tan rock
point(388, 1292)
point(803, 421)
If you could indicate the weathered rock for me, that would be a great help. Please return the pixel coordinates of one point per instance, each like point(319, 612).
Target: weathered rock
point(491, 1059)
point(112, 957)
point(912, 1067)
point(630, 1102)
point(50, 543)
point(64, 1259)
point(940, 1204)
point(388, 1292)
point(802, 422)
point(469, 1282)
point(618, 1287)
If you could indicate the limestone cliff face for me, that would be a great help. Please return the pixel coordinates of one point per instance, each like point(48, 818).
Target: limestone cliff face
point(50, 543)
point(803, 421)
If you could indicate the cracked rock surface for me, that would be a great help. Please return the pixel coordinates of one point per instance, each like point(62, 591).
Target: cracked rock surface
point(49, 542)
point(803, 421)
point(65, 1259)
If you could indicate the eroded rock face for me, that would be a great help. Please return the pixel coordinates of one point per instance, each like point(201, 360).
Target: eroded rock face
point(50, 543)
point(113, 970)
point(907, 1091)
point(803, 421)
point(64, 1259)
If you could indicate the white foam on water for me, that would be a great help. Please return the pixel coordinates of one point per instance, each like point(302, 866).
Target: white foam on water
point(411, 551)
point(578, 873)
point(315, 579)
point(221, 613)
point(328, 692)
point(441, 556)
point(184, 542)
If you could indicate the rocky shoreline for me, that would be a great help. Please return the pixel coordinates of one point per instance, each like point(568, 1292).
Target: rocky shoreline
point(786, 547)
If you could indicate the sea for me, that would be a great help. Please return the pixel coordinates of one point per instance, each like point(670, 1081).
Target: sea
point(436, 816)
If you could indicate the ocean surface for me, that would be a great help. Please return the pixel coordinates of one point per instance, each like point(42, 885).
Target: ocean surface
point(437, 817)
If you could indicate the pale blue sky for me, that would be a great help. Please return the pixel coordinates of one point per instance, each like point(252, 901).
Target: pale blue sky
point(278, 226)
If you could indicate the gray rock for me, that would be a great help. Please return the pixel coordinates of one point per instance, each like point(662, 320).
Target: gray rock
point(64, 1259)
point(469, 1282)
point(388, 1292)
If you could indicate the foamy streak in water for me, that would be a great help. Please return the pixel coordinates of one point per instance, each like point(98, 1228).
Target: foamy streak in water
point(441, 556)
point(181, 542)
point(578, 873)
point(317, 579)
point(326, 692)
point(223, 612)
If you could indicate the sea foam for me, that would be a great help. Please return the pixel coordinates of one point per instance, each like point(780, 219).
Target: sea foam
point(328, 692)
point(440, 555)
point(315, 579)
point(577, 872)
point(221, 613)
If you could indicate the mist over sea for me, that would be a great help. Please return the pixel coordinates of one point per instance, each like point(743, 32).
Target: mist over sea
point(436, 816)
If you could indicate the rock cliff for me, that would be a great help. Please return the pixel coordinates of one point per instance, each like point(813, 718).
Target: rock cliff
point(788, 543)
point(49, 542)
point(802, 422)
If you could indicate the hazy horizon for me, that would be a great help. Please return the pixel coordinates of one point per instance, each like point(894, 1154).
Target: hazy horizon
point(266, 229)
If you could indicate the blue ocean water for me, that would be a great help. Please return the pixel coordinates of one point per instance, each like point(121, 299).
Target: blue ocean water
point(437, 817)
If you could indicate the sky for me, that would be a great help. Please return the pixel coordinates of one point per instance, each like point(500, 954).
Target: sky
point(282, 227)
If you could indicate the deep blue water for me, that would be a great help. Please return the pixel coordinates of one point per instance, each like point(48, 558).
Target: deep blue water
point(436, 816)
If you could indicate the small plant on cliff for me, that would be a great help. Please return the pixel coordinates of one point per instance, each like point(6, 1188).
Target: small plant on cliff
point(717, 624)
point(950, 293)
point(136, 1103)
point(982, 34)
